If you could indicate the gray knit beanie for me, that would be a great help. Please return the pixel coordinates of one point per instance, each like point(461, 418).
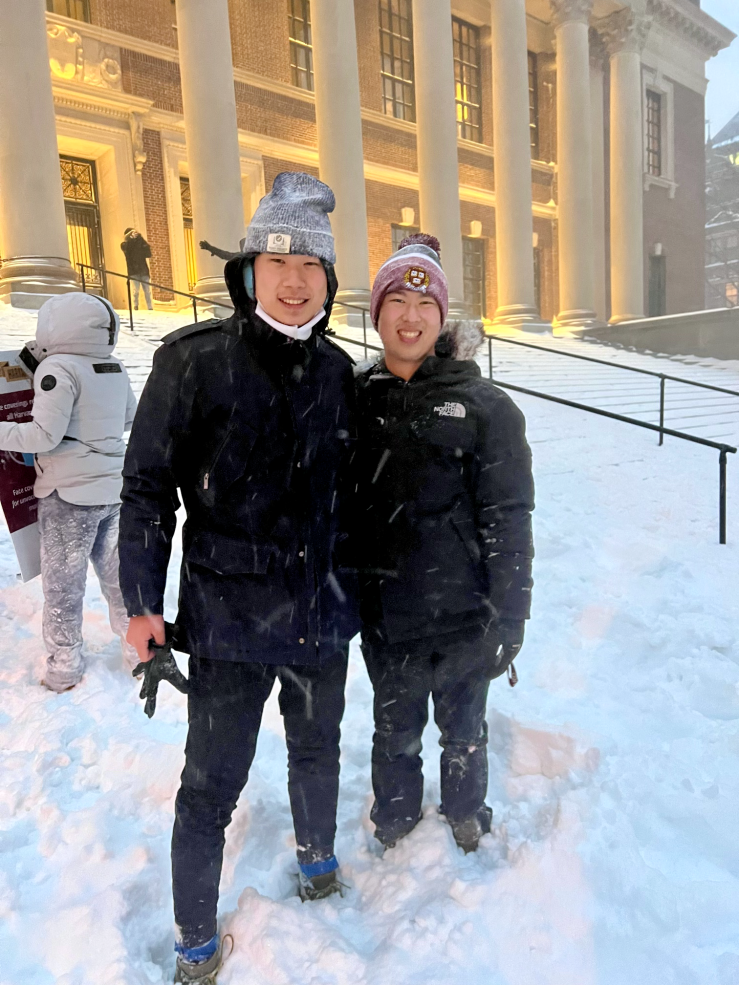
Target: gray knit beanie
point(293, 218)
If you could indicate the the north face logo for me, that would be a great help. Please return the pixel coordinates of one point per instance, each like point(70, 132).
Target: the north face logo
point(417, 278)
point(451, 409)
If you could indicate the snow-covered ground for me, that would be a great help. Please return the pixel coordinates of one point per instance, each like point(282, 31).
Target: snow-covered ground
point(613, 765)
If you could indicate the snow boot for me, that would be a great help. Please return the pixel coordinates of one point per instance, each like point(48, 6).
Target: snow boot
point(319, 880)
point(467, 833)
point(203, 972)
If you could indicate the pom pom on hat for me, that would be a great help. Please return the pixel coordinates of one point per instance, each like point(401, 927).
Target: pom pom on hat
point(415, 266)
point(422, 239)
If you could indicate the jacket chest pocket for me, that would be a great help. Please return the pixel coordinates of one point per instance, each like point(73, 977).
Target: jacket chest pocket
point(227, 463)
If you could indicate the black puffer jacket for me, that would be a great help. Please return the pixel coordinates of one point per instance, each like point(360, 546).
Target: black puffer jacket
point(445, 500)
point(257, 432)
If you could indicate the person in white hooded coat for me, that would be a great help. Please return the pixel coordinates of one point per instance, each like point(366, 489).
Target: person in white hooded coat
point(83, 404)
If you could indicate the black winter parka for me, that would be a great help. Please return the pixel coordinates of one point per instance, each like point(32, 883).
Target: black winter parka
point(445, 496)
point(257, 432)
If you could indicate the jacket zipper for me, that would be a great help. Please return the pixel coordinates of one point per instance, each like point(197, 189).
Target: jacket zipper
point(206, 477)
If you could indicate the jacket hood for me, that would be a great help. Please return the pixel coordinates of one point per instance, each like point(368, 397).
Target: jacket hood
point(460, 340)
point(246, 306)
point(76, 324)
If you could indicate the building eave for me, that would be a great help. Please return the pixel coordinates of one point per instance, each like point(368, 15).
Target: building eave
point(692, 23)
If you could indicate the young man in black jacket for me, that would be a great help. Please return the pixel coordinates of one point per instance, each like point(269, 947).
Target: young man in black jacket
point(445, 496)
point(252, 420)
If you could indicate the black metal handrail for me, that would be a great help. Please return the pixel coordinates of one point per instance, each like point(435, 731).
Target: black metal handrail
point(722, 449)
point(662, 377)
point(195, 298)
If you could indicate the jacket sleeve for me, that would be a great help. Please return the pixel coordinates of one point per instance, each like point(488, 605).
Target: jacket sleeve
point(52, 409)
point(131, 405)
point(504, 499)
point(150, 500)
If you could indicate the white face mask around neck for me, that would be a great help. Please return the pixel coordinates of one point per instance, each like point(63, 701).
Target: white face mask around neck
point(301, 333)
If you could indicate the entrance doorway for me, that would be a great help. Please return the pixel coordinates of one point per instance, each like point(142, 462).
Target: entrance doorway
point(192, 273)
point(81, 205)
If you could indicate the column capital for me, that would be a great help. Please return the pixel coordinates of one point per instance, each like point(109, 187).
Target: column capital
point(569, 11)
point(598, 52)
point(626, 30)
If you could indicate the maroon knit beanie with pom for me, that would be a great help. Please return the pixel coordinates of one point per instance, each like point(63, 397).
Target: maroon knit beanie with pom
point(415, 266)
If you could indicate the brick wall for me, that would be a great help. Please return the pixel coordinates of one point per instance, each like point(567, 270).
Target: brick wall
point(274, 166)
point(475, 169)
point(152, 20)
point(275, 115)
point(260, 37)
point(384, 203)
point(367, 19)
point(678, 223)
point(155, 206)
point(389, 145)
point(151, 78)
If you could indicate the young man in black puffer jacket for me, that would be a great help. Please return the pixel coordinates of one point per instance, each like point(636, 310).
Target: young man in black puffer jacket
point(445, 495)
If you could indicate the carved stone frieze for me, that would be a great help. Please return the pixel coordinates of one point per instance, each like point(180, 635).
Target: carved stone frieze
point(686, 23)
point(626, 30)
point(137, 139)
point(564, 11)
point(73, 56)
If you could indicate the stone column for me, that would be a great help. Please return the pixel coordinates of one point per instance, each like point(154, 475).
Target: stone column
point(597, 130)
point(340, 154)
point(574, 166)
point(512, 148)
point(209, 104)
point(625, 33)
point(436, 138)
point(33, 227)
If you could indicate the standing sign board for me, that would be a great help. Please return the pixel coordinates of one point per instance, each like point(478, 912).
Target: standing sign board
point(17, 473)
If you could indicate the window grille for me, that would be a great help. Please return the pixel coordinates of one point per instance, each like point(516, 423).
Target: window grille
point(400, 233)
point(301, 45)
point(654, 133)
point(473, 259)
point(396, 48)
point(79, 10)
point(467, 79)
point(186, 198)
point(84, 235)
point(534, 105)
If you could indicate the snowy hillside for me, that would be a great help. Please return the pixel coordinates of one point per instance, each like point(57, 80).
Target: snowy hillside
point(614, 775)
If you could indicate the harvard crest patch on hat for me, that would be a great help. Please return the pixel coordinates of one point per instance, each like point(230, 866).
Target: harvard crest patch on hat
point(416, 278)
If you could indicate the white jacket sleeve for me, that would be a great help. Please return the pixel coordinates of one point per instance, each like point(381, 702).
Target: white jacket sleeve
point(131, 405)
point(52, 409)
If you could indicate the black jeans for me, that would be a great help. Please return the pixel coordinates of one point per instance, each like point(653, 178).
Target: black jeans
point(225, 706)
point(455, 670)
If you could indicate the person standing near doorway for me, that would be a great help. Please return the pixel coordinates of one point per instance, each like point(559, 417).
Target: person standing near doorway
point(137, 252)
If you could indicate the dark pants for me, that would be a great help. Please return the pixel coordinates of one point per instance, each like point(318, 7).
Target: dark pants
point(225, 706)
point(456, 671)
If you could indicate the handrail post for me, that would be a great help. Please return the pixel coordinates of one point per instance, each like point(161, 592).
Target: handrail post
point(130, 305)
point(364, 331)
point(490, 357)
point(722, 496)
point(82, 276)
point(195, 309)
point(661, 409)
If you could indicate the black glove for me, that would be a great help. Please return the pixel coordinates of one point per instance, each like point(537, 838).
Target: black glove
point(510, 639)
point(161, 667)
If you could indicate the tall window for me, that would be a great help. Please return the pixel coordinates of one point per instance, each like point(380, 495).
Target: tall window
point(396, 48)
point(400, 233)
point(301, 44)
point(78, 9)
point(473, 259)
point(654, 133)
point(84, 235)
point(467, 79)
point(534, 106)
